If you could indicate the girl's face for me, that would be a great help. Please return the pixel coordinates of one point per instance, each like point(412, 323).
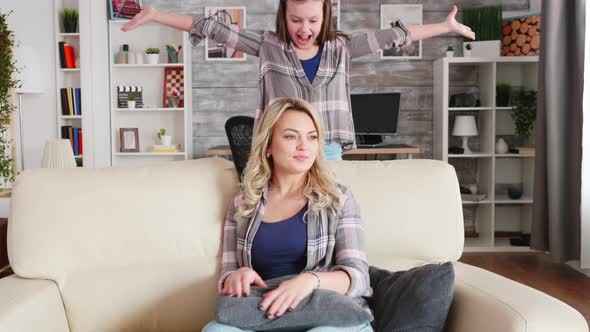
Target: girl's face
point(294, 144)
point(304, 22)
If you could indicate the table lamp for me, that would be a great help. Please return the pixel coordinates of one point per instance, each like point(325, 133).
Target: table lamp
point(58, 153)
point(465, 127)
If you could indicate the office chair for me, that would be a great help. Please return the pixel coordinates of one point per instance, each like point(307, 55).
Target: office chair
point(239, 134)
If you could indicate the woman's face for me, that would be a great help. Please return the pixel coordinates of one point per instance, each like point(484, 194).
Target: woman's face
point(304, 22)
point(294, 144)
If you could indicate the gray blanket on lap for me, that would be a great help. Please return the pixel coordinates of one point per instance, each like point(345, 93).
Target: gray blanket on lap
point(320, 308)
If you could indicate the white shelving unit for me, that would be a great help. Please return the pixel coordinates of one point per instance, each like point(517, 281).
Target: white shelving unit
point(148, 120)
point(497, 215)
point(70, 77)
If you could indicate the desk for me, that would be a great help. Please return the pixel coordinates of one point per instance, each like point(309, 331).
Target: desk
point(399, 150)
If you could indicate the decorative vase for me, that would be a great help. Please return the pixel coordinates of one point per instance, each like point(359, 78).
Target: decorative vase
point(70, 27)
point(131, 58)
point(166, 140)
point(501, 146)
point(474, 188)
point(449, 54)
point(152, 59)
point(514, 193)
point(131, 104)
point(139, 58)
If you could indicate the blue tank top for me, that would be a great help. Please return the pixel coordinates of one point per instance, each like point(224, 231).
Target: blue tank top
point(280, 248)
point(310, 66)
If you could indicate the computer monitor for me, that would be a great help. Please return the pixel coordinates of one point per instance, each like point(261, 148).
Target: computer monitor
point(375, 114)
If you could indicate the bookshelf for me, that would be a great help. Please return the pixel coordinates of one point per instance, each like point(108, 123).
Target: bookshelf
point(73, 78)
point(490, 221)
point(150, 77)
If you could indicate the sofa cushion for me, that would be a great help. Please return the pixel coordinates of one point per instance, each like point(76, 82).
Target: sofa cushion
point(320, 308)
point(415, 300)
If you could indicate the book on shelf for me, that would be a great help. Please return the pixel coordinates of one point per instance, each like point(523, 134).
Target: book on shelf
point(67, 56)
point(166, 148)
point(524, 150)
point(75, 135)
point(71, 101)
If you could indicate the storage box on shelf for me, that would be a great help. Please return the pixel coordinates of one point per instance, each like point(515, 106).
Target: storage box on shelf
point(69, 80)
point(491, 217)
point(153, 109)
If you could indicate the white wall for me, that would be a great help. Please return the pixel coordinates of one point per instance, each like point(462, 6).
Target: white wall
point(35, 29)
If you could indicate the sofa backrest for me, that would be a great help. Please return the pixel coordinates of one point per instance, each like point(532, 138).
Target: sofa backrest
point(138, 248)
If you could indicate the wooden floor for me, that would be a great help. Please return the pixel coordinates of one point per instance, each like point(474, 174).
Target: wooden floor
point(530, 268)
point(535, 269)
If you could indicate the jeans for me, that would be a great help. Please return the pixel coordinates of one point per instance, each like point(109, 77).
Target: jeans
point(333, 151)
point(218, 327)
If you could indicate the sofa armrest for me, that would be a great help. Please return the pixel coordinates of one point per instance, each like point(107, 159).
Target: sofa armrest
point(31, 305)
point(485, 301)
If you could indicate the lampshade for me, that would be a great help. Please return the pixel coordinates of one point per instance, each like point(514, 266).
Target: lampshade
point(465, 126)
point(32, 76)
point(58, 154)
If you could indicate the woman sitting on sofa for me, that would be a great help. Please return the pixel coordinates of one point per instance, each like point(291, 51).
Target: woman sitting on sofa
point(295, 218)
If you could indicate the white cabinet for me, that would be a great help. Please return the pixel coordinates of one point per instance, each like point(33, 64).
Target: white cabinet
point(154, 114)
point(492, 220)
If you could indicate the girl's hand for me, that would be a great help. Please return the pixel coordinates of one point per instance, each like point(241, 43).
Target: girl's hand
point(146, 15)
point(288, 295)
point(238, 282)
point(457, 27)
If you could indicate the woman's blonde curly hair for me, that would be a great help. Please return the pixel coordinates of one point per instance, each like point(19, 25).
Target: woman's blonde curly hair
point(319, 183)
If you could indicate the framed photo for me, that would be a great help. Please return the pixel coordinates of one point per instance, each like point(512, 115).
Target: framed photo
point(408, 14)
point(173, 88)
point(124, 9)
point(235, 17)
point(129, 138)
point(521, 35)
point(336, 14)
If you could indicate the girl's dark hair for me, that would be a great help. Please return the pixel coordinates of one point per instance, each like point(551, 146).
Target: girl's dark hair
point(327, 32)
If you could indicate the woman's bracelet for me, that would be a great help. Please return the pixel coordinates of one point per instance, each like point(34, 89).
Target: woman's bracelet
point(316, 276)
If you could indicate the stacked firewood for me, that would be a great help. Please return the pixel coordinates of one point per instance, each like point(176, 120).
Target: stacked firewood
point(521, 36)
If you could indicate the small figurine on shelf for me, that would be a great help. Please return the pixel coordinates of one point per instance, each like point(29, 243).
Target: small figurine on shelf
point(173, 98)
point(152, 55)
point(164, 139)
point(173, 53)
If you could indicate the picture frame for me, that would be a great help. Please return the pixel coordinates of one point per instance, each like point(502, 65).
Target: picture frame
point(336, 14)
point(521, 35)
point(173, 79)
point(408, 14)
point(129, 139)
point(124, 9)
point(236, 18)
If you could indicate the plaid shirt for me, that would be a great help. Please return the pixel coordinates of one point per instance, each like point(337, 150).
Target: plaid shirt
point(334, 242)
point(281, 73)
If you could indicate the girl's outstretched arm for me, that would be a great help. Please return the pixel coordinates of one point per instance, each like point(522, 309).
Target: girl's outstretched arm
point(450, 24)
point(149, 14)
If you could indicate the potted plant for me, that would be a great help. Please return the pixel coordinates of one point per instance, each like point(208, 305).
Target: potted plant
point(7, 84)
point(70, 16)
point(450, 52)
point(486, 22)
point(467, 50)
point(164, 139)
point(131, 102)
point(524, 114)
point(152, 55)
point(503, 94)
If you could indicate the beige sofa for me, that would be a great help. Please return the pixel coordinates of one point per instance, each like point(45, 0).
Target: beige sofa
point(137, 249)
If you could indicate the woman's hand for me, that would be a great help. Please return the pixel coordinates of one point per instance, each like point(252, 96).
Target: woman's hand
point(288, 295)
point(238, 282)
point(146, 15)
point(457, 27)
